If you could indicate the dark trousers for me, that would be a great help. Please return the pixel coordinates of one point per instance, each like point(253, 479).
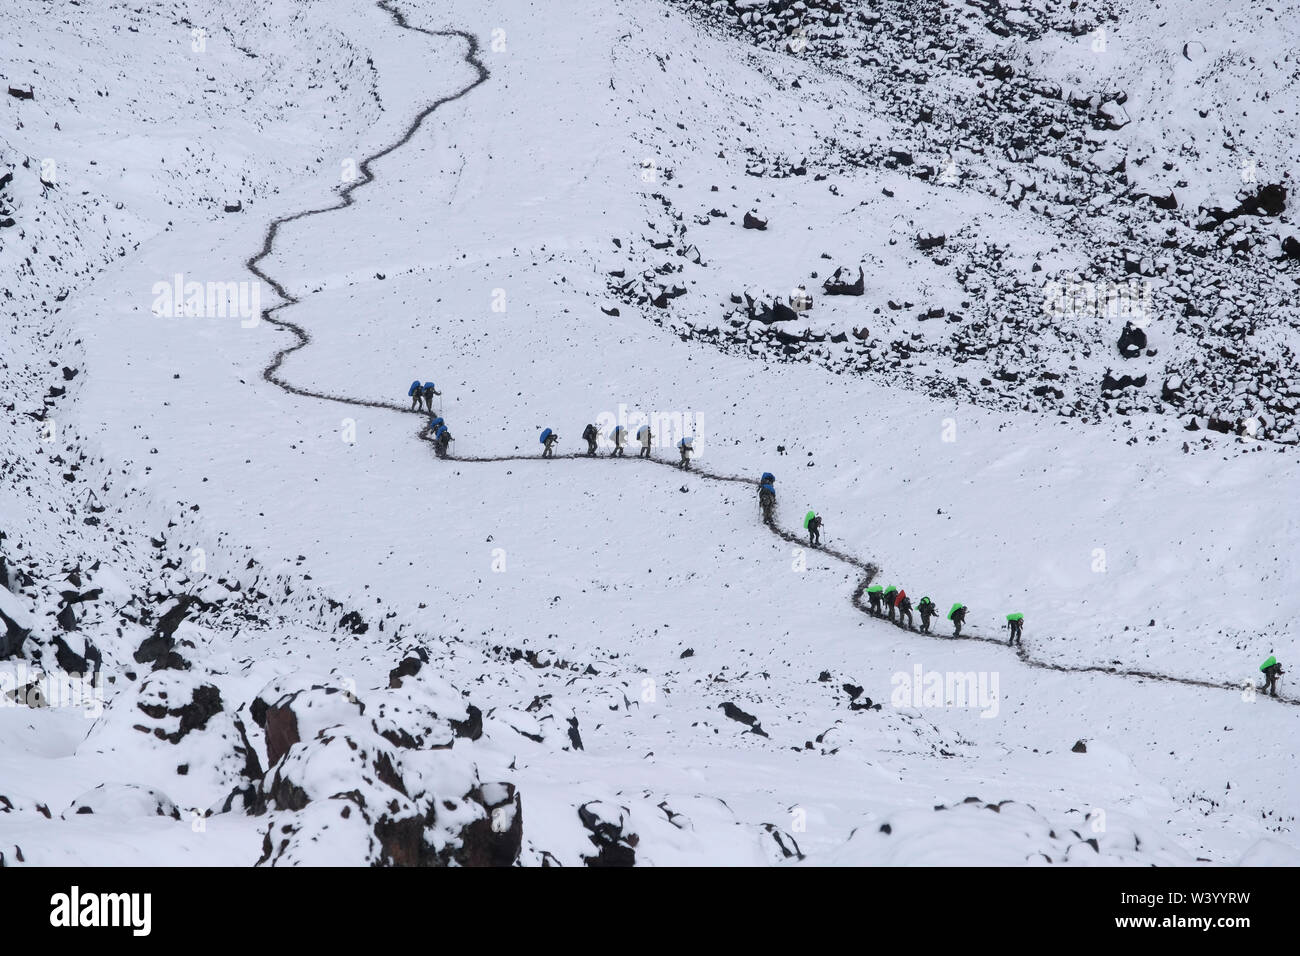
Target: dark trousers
point(645, 451)
point(904, 611)
point(591, 446)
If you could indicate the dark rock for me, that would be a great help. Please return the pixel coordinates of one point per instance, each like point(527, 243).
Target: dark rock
point(67, 618)
point(471, 727)
point(836, 284)
point(1132, 341)
point(735, 713)
point(11, 636)
point(409, 667)
point(281, 732)
point(753, 222)
point(1079, 747)
point(159, 648)
point(352, 622)
point(614, 848)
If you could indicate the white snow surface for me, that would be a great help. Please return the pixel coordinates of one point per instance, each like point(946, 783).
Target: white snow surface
point(556, 599)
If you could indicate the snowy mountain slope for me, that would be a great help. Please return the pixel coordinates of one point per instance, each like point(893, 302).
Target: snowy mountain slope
point(617, 568)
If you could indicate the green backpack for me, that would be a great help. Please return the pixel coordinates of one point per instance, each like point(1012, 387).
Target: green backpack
point(1015, 617)
point(1268, 663)
point(953, 610)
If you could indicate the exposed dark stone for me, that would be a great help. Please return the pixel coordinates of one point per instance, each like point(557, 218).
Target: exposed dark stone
point(11, 637)
point(753, 222)
point(158, 648)
point(614, 849)
point(409, 667)
point(487, 842)
point(1132, 341)
point(1079, 748)
point(281, 731)
point(471, 727)
point(352, 622)
point(735, 713)
point(67, 618)
point(836, 284)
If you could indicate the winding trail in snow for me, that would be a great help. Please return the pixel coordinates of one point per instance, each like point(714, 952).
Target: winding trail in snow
point(302, 339)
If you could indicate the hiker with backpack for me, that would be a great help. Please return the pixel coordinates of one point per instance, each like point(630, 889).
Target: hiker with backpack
point(904, 605)
point(643, 433)
point(684, 446)
point(620, 439)
point(429, 391)
point(589, 435)
point(766, 500)
point(927, 611)
point(957, 615)
point(814, 525)
point(548, 438)
point(889, 596)
point(1272, 669)
point(1015, 624)
point(416, 391)
point(873, 596)
point(443, 439)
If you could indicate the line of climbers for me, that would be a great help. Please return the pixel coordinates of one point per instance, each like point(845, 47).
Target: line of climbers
point(881, 601)
point(422, 394)
point(891, 598)
point(591, 435)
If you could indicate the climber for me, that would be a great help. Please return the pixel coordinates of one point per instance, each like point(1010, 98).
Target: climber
point(1015, 623)
point(889, 596)
point(904, 605)
point(814, 530)
point(620, 439)
point(416, 391)
point(643, 433)
point(429, 391)
point(548, 438)
point(873, 595)
point(928, 610)
point(957, 615)
point(767, 479)
point(589, 435)
point(685, 447)
point(1272, 669)
point(444, 439)
point(766, 499)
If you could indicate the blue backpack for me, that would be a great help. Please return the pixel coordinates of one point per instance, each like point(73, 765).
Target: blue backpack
point(545, 435)
point(414, 386)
